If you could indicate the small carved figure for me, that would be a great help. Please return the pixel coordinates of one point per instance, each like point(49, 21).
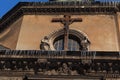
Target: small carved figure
point(45, 44)
point(85, 43)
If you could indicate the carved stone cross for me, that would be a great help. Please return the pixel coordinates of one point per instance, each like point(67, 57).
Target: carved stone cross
point(66, 21)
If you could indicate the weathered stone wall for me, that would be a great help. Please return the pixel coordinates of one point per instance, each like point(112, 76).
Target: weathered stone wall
point(100, 29)
point(118, 27)
point(9, 37)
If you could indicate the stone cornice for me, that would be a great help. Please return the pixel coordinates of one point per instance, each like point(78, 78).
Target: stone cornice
point(56, 8)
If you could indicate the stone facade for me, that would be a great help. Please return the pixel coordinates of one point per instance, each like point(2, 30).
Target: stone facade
point(32, 24)
point(102, 31)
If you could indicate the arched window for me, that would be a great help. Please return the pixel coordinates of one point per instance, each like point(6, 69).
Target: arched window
point(55, 41)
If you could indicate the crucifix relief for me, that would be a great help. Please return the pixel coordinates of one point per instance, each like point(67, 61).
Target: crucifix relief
point(66, 21)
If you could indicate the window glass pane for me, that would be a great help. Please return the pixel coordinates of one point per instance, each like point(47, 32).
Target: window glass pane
point(73, 44)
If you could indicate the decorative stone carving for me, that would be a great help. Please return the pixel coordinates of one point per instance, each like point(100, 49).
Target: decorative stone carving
point(48, 41)
point(61, 67)
point(45, 44)
point(85, 43)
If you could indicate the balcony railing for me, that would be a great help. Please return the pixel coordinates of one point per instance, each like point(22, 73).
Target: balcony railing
point(32, 62)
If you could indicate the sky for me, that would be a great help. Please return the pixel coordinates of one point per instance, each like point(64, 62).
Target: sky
point(6, 5)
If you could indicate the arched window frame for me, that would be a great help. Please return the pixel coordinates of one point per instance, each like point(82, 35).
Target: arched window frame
point(47, 42)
